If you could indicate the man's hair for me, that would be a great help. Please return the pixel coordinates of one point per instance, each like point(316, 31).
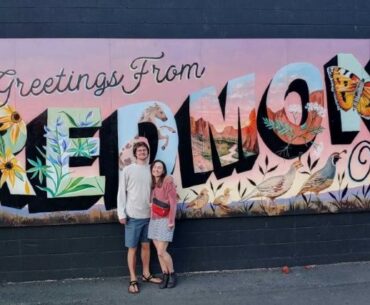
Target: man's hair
point(140, 144)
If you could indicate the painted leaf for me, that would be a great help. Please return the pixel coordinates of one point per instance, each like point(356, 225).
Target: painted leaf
point(309, 161)
point(314, 164)
point(41, 153)
point(32, 163)
point(65, 175)
point(77, 188)
point(332, 196)
point(46, 174)
point(244, 192)
point(273, 168)
point(34, 174)
point(19, 175)
point(52, 160)
point(220, 186)
point(74, 182)
point(41, 176)
point(71, 120)
point(252, 182)
point(89, 115)
point(261, 170)
point(344, 193)
point(64, 145)
point(45, 189)
point(368, 189)
point(54, 148)
point(32, 170)
point(195, 192)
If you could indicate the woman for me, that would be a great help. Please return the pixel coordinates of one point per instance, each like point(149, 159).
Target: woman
point(162, 220)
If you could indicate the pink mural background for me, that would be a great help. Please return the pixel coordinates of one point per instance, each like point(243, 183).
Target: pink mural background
point(223, 60)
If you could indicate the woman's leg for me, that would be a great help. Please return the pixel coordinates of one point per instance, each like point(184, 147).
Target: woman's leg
point(164, 255)
point(171, 278)
point(161, 261)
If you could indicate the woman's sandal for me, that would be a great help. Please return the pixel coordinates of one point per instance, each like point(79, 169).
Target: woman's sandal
point(134, 285)
point(151, 279)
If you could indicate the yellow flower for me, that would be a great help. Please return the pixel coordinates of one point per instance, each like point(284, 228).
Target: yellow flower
point(9, 168)
point(9, 118)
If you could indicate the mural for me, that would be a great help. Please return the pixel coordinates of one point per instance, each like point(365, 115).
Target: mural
point(247, 127)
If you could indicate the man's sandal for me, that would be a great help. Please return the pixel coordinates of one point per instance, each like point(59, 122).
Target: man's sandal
point(133, 285)
point(151, 279)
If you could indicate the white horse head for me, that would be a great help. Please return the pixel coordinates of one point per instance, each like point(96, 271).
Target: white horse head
point(153, 112)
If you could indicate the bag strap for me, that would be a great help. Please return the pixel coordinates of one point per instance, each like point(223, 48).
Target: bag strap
point(160, 203)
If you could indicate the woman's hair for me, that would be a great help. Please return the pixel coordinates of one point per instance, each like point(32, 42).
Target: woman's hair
point(161, 178)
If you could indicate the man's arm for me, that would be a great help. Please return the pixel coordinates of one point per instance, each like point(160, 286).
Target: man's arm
point(122, 197)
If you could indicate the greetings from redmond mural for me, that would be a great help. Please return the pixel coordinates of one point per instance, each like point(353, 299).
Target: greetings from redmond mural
point(247, 127)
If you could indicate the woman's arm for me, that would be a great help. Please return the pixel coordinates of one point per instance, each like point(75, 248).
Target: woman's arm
point(171, 194)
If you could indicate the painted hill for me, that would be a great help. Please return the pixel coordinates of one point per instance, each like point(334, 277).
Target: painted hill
point(249, 132)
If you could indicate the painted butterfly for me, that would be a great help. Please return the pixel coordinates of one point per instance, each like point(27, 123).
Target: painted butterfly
point(350, 91)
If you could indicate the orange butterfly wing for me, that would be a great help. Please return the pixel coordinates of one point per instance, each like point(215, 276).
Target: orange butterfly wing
point(363, 106)
point(343, 86)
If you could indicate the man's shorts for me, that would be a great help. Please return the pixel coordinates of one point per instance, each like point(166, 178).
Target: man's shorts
point(136, 231)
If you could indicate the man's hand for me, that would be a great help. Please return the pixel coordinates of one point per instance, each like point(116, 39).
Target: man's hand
point(122, 221)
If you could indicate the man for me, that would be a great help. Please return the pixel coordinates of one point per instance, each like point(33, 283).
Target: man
point(134, 212)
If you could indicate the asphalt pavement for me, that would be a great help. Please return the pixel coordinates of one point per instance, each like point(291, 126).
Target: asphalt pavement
point(338, 284)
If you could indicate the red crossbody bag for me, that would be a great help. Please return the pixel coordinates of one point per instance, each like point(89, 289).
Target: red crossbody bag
point(160, 208)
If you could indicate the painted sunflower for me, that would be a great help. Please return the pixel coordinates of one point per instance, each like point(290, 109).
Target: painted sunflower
point(11, 119)
point(9, 168)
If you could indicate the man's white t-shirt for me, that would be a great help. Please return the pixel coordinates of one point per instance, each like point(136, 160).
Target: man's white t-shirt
point(134, 191)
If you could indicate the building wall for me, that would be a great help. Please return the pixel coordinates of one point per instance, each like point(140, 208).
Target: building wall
point(51, 252)
point(184, 19)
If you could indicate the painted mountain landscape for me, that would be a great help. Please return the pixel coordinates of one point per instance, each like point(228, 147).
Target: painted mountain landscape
point(226, 141)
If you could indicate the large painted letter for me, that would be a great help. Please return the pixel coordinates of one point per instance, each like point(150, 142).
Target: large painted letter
point(157, 115)
point(60, 140)
point(290, 136)
point(60, 147)
point(12, 141)
point(348, 91)
point(223, 132)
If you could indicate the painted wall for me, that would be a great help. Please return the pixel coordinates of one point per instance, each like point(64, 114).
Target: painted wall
point(245, 131)
point(50, 252)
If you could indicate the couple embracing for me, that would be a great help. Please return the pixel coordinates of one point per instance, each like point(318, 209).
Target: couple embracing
point(146, 205)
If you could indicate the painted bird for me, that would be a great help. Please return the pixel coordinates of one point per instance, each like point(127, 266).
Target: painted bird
point(323, 178)
point(276, 186)
point(200, 201)
point(222, 201)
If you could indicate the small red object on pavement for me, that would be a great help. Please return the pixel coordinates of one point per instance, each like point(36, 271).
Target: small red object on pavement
point(285, 269)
